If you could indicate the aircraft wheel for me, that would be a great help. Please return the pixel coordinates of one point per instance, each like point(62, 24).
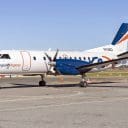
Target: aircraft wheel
point(42, 83)
point(83, 84)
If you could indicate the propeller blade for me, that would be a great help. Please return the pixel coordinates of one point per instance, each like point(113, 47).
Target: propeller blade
point(49, 58)
point(54, 59)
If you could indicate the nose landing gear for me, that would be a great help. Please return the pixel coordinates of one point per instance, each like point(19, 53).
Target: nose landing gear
point(42, 82)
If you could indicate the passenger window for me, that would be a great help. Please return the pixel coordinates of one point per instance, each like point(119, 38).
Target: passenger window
point(44, 58)
point(70, 57)
point(75, 58)
point(84, 58)
point(79, 58)
point(34, 58)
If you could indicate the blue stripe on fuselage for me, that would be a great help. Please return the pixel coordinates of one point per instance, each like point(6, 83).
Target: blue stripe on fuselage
point(68, 66)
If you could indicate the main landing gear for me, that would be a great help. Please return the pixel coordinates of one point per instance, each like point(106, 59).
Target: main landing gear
point(83, 82)
point(42, 82)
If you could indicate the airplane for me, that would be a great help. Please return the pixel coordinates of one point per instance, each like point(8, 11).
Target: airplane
point(44, 63)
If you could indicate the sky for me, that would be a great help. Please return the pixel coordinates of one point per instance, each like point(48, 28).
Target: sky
point(62, 24)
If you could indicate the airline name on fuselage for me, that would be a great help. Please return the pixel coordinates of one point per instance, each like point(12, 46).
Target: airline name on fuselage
point(9, 65)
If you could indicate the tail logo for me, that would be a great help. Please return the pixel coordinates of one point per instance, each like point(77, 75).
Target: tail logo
point(122, 34)
point(123, 39)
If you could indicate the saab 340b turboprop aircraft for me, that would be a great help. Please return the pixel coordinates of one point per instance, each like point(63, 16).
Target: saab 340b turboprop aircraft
point(66, 62)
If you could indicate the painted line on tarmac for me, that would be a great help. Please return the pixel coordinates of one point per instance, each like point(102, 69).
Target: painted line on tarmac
point(28, 98)
point(62, 105)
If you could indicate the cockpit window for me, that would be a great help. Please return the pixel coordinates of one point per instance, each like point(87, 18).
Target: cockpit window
point(4, 56)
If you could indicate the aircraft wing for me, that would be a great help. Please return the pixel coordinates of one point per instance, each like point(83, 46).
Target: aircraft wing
point(86, 68)
point(125, 54)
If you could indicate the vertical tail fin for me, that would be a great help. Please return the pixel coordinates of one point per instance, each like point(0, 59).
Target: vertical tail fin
point(122, 34)
point(121, 39)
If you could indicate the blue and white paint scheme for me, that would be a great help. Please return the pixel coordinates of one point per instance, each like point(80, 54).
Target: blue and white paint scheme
point(66, 62)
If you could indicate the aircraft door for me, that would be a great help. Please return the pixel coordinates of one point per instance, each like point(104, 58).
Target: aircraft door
point(26, 60)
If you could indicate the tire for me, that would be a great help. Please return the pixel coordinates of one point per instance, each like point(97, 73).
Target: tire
point(83, 84)
point(42, 83)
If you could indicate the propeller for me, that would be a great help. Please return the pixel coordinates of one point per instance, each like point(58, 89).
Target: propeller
point(52, 62)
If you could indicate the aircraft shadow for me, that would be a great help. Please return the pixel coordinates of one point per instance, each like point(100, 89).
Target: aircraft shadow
point(33, 86)
point(19, 86)
point(50, 85)
point(93, 84)
point(108, 86)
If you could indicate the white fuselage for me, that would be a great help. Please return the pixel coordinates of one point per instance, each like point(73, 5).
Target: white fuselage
point(36, 62)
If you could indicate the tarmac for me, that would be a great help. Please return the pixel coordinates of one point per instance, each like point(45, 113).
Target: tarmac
point(63, 104)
